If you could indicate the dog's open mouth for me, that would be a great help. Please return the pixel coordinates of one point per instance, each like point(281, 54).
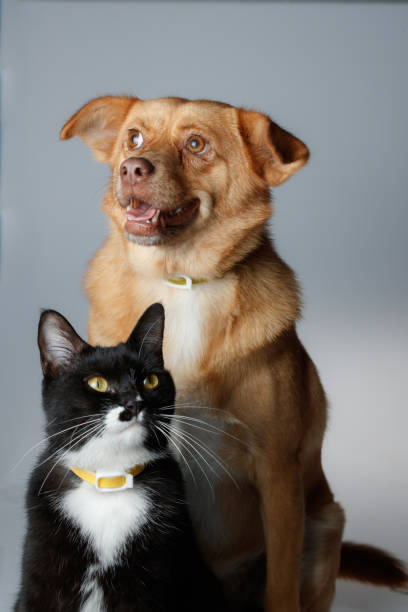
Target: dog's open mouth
point(144, 219)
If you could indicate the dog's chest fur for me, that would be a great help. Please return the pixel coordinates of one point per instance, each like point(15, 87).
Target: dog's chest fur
point(188, 338)
point(184, 331)
point(193, 318)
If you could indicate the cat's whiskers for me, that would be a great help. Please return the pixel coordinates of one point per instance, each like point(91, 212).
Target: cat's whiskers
point(196, 459)
point(47, 438)
point(73, 441)
point(146, 334)
point(182, 436)
point(213, 456)
point(197, 406)
point(60, 484)
point(93, 431)
point(155, 435)
point(49, 473)
point(162, 526)
point(194, 440)
point(209, 427)
point(80, 425)
point(66, 473)
point(171, 441)
point(85, 416)
point(186, 444)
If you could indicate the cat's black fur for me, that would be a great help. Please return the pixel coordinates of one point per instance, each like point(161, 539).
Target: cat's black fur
point(160, 568)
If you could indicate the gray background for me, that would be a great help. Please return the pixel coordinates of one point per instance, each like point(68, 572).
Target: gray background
point(333, 74)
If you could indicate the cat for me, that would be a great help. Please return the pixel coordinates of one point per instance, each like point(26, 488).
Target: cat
point(90, 547)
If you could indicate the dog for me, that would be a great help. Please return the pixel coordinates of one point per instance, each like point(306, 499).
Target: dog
point(188, 204)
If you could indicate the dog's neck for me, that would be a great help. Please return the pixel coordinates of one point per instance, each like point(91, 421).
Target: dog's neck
point(208, 254)
point(195, 259)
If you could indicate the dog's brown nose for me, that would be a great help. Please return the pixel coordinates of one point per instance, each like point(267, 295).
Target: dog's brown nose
point(135, 169)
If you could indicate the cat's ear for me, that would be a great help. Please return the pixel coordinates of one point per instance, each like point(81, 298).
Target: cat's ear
point(147, 335)
point(58, 342)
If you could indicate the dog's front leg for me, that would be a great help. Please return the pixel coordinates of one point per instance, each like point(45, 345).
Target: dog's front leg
point(282, 506)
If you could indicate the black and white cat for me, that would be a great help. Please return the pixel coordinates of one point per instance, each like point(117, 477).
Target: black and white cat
point(108, 527)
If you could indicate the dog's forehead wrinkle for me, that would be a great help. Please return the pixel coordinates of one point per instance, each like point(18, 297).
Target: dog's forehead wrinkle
point(154, 114)
point(176, 114)
point(136, 123)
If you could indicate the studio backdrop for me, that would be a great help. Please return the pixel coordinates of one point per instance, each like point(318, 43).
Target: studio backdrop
point(335, 75)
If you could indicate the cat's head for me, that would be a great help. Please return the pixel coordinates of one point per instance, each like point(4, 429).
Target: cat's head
point(106, 407)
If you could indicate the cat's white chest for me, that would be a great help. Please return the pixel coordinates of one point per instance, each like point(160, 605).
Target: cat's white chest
point(107, 521)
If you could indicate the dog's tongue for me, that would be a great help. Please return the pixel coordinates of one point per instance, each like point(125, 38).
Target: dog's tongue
point(143, 212)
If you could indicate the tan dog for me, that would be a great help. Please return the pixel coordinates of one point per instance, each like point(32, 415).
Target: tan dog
point(190, 196)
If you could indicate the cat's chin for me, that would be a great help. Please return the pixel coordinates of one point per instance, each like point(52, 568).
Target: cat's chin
point(114, 451)
point(132, 432)
point(131, 436)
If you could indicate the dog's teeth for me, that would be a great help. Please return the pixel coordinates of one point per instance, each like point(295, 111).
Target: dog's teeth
point(128, 208)
point(156, 216)
point(173, 213)
point(148, 220)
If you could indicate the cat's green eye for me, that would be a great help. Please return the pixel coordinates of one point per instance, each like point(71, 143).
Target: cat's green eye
point(98, 383)
point(151, 381)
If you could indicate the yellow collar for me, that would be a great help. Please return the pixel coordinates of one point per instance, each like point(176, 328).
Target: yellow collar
point(109, 482)
point(183, 282)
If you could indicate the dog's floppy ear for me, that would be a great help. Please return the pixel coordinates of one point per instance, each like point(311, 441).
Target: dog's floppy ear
point(98, 123)
point(275, 153)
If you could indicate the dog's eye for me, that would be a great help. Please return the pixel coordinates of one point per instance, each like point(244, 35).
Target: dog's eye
point(196, 144)
point(98, 383)
point(135, 140)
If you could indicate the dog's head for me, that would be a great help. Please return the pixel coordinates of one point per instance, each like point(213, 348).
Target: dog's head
point(187, 173)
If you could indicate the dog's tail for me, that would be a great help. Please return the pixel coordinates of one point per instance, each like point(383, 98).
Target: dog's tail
point(372, 565)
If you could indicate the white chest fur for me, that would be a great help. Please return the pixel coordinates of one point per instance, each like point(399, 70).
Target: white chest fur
point(92, 594)
point(192, 317)
point(106, 520)
point(184, 328)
